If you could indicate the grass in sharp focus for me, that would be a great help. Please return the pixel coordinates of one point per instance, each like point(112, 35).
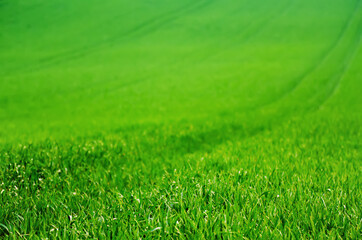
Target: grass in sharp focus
point(180, 119)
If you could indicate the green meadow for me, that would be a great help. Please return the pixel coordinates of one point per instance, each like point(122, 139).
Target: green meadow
point(189, 119)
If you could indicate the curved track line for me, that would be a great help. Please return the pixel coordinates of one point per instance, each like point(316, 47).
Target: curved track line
point(140, 30)
point(139, 80)
point(347, 60)
point(299, 80)
point(144, 28)
point(338, 79)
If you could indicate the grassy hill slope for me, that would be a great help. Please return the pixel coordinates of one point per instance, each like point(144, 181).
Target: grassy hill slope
point(185, 119)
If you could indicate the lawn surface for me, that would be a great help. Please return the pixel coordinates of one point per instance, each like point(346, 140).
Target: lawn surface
point(189, 119)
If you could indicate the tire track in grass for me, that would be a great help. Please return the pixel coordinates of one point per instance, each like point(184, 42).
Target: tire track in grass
point(140, 30)
point(246, 35)
point(146, 77)
point(144, 25)
point(190, 140)
point(257, 30)
point(347, 58)
point(270, 123)
point(321, 97)
point(336, 81)
point(201, 141)
point(346, 67)
point(322, 60)
point(339, 77)
point(314, 68)
point(156, 23)
point(250, 32)
point(172, 15)
point(209, 139)
point(273, 120)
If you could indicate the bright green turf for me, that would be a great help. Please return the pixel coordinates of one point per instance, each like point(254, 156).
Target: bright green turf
point(180, 119)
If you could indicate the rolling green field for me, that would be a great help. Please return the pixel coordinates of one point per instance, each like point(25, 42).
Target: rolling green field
point(188, 119)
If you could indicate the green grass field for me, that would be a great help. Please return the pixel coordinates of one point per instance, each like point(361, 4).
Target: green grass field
point(189, 119)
